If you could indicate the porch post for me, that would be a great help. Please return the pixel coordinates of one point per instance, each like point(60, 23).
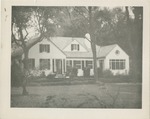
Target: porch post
point(54, 65)
point(62, 65)
point(84, 63)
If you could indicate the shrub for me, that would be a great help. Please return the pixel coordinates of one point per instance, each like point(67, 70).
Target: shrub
point(43, 74)
point(107, 73)
point(51, 76)
point(100, 72)
point(86, 71)
point(74, 71)
point(69, 69)
point(35, 72)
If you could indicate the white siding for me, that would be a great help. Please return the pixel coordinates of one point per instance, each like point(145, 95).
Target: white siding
point(54, 53)
point(121, 55)
point(81, 49)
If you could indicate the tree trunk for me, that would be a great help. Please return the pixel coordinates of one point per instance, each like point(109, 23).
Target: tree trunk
point(94, 61)
point(131, 45)
point(24, 92)
point(93, 45)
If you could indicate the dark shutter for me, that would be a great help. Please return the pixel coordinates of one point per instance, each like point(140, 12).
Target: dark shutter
point(49, 64)
point(48, 48)
point(71, 47)
point(82, 64)
point(40, 64)
point(43, 48)
point(71, 63)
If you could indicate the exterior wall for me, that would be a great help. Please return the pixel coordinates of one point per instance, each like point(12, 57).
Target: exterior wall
point(121, 55)
point(81, 49)
point(54, 53)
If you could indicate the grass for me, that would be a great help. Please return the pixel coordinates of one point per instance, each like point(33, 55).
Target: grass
point(65, 93)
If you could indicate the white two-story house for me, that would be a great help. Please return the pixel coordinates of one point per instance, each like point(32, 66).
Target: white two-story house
point(57, 54)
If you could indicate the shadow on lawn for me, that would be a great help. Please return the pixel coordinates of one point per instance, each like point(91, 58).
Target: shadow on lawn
point(19, 100)
point(86, 100)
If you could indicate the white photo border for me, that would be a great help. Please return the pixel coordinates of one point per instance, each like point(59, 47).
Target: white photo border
point(6, 112)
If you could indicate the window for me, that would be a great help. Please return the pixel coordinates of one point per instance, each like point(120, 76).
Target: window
point(117, 64)
point(44, 48)
point(89, 64)
point(77, 64)
point(74, 47)
point(44, 64)
point(31, 63)
point(69, 63)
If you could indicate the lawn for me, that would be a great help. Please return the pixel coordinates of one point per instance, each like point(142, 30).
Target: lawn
point(78, 94)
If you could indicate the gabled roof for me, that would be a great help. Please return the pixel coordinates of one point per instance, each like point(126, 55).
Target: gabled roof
point(103, 51)
point(63, 42)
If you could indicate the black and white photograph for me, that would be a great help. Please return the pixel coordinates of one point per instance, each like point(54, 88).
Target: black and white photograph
point(75, 57)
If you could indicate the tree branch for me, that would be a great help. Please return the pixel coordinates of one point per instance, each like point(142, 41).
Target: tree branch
point(80, 13)
point(85, 28)
point(26, 33)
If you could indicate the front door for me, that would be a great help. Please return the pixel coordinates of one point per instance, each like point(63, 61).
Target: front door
point(59, 66)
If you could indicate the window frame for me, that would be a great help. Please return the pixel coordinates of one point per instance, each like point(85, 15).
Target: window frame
point(78, 65)
point(117, 64)
point(31, 63)
point(88, 64)
point(75, 47)
point(44, 48)
point(45, 66)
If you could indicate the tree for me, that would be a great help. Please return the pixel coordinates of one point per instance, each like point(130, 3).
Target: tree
point(20, 18)
point(93, 41)
point(81, 18)
point(134, 34)
point(92, 20)
point(39, 19)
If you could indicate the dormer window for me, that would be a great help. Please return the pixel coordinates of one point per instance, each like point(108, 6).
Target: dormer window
point(74, 47)
point(44, 48)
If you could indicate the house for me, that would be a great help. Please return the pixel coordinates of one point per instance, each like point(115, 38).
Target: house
point(58, 54)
